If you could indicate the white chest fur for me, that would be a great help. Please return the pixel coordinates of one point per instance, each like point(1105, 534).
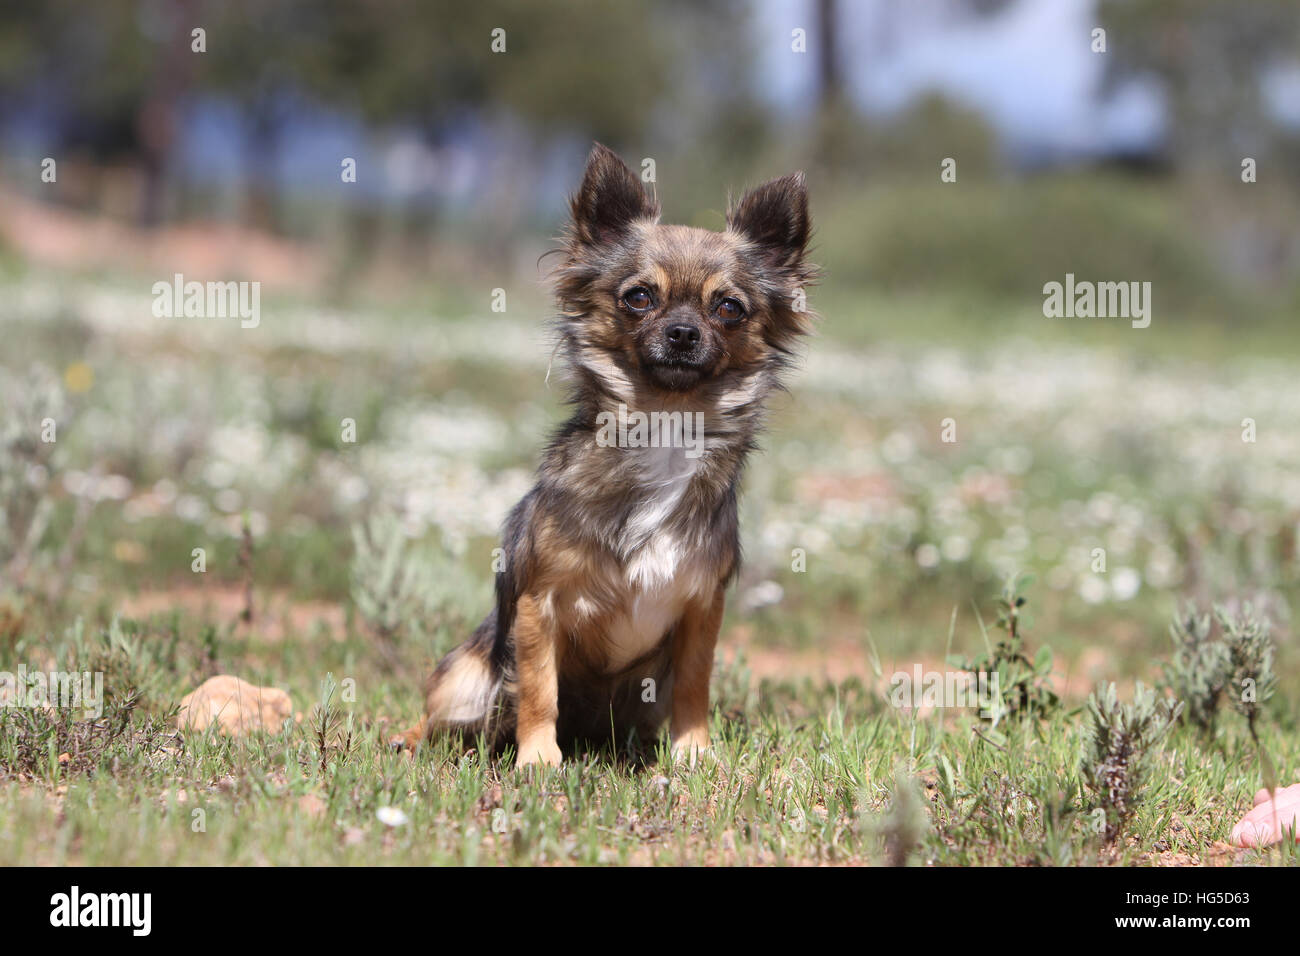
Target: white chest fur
point(663, 578)
point(663, 474)
point(662, 572)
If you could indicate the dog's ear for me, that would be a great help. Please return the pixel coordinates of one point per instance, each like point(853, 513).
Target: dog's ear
point(609, 200)
point(774, 216)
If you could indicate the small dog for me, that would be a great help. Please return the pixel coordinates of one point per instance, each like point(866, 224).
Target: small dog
point(617, 560)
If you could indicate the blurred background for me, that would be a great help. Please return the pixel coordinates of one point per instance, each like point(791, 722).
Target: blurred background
point(1115, 156)
point(464, 155)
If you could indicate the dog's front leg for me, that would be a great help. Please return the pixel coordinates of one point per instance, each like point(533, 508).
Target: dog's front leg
point(536, 647)
point(693, 642)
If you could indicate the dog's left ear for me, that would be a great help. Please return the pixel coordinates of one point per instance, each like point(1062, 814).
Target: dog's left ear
point(774, 216)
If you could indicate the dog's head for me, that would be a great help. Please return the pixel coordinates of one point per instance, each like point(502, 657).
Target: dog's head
point(673, 309)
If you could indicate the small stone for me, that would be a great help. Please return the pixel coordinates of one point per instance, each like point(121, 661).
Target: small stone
point(235, 706)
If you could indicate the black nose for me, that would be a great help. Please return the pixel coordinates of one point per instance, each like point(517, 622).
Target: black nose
point(682, 336)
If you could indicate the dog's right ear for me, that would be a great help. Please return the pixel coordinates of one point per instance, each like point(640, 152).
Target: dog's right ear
point(609, 200)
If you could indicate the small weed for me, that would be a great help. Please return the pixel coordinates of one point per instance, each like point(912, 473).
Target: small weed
point(905, 824)
point(1250, 660)
point(1233, 661)
point(70, 728)
point(1022, 684)
point(1198, 673)
point(332, 732)
point(407, 593)
point(1122, 741)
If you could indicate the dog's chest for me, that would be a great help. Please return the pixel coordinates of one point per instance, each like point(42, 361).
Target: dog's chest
point(663, 565)
point(657, 588)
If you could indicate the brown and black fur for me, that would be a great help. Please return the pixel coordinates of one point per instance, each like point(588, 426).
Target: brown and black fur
point(616, 562)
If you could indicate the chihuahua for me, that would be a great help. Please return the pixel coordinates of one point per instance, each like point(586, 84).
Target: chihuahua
point(616, 562)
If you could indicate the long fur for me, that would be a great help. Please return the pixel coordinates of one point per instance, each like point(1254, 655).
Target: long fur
point(611, 542)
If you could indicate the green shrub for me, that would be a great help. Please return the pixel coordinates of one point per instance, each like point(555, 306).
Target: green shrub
point(1233, 661)
point(1122, 741)
point(1022, 684)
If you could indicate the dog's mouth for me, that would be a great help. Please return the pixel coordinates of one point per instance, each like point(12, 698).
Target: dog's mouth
point(678, 374)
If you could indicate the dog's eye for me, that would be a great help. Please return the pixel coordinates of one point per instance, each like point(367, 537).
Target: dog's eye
point(729, 310)
point(638, 299)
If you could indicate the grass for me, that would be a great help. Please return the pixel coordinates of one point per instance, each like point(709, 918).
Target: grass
point(1070, 439)
point(805, 772)
point(804, 775)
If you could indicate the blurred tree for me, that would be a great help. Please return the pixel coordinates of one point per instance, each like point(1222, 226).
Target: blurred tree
point(117, 79)
point(830, 73)
point(258, 57)
point(1209, 58)
point(109, 75)
point(841, 127)
point(625, 74)
point(985, 8)
point(567, 62)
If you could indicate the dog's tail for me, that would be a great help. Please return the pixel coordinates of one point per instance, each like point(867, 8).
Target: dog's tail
point(464, 693)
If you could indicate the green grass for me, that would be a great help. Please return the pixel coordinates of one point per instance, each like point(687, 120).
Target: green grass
point(804, 772)
point(803, 775)
point(1070, 438)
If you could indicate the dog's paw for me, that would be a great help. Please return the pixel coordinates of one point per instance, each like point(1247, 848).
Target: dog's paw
point(693, 752)
point(408, 742)
point(547, 753)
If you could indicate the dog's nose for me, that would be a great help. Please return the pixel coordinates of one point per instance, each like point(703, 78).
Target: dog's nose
point(682, 336)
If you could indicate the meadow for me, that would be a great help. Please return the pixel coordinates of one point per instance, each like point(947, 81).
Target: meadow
point(1113, 468)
